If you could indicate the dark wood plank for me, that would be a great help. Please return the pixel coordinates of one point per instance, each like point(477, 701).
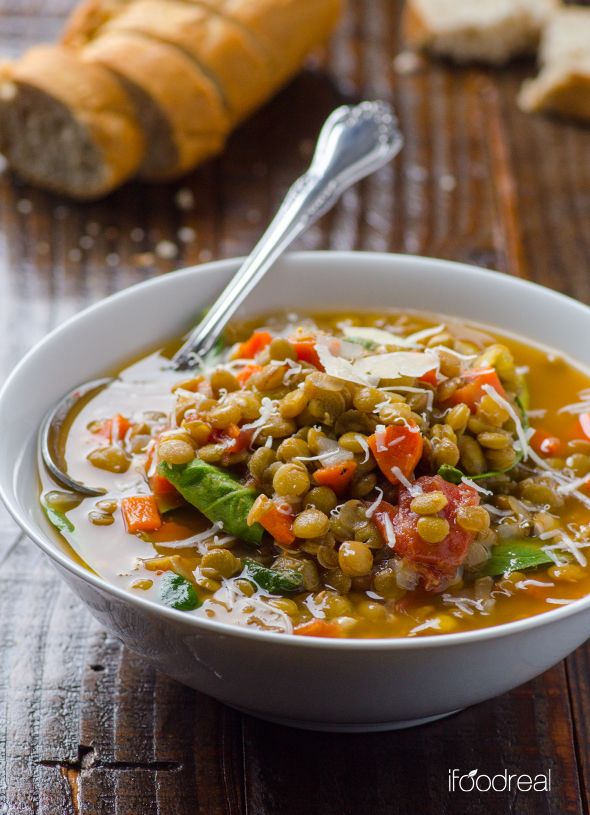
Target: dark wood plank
point(85, 726)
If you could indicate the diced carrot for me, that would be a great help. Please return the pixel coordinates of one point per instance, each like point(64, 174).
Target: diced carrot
point(277, 523)
point(397, 446)
point(161, 485)
point(473, 391)
point(140, 513)
point(253, 345)
point(430, 377)
point(337, 476)
point(306, 352)
point(545, 444)
point(318, 628)
point(114, 429)
point(244, 374)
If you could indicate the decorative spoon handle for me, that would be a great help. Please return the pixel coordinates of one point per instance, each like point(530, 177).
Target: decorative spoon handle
point(353, 143)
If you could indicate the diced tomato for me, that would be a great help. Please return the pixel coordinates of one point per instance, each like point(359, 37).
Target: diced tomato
point(114, 429)
point(337, 476)
point(244, 374)
point(473, 391)
point(380, 517)
point(278, 522)
point(397, 446)
point(253, 345)
point(317, 628)
point(233, 438)
point(436, 563)
point(546, 444)
point(430, 377)
point(140, 513)
point(306, 352)
point(161, 485)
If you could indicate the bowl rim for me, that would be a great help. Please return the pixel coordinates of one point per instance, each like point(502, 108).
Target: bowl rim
point(62, 559)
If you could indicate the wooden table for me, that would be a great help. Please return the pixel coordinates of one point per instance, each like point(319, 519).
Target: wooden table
point(85, 727)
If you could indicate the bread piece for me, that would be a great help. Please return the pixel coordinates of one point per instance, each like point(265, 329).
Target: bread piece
point(563, 85)
point(179, 107)
point(66, 125)
point(492, 31)
point(242, 73)
point(286, 30)
point(88, 18)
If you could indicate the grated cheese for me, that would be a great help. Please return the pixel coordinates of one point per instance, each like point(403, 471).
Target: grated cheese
point(476, 486)
point(520, 431)
point(413, 489)
point(389, 531)
point(375, 503)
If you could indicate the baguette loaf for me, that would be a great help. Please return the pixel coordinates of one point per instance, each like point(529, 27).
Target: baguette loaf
point(242, 74)
point(563, 85)
point(492, 31)
point(67, 126)
point(181, 74)
point(178, 106)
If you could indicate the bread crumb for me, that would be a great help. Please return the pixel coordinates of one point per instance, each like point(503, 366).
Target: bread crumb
point(187, 234)
point(417, 174)
point(137, 234)
point(184, 199)
point(407, 62)
point(166, 250)
point(447, 183)
point(75, 255)
point(24, 206)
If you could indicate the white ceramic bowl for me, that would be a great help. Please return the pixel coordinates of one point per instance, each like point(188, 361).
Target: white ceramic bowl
point(346, 685)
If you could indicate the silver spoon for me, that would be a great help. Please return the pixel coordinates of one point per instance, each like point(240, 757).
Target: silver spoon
point(354, 142)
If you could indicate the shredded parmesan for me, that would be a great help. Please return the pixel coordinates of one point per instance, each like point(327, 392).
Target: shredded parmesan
point(413, 489)
point(583, 406)
point(389, 531)
point(476, 486)
point(375, 503)
point(396, 364)
point(520, 431)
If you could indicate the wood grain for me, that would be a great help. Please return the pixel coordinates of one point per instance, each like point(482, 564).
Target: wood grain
point(86, 728)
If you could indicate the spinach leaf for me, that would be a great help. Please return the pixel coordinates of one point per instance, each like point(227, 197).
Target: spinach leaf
point(454, 474)
point(218, 495)
point(59, 519)
point(272, 580)
point(516, 556)
point(177, 592)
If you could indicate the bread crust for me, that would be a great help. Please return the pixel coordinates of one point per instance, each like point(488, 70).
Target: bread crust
point(186, 98)
point(242, 73)
point(95, 102)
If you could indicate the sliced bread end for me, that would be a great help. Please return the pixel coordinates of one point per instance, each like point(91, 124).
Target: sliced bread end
point(65, 126)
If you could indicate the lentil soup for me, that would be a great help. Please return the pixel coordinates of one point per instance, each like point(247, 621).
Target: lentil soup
point(339, 475)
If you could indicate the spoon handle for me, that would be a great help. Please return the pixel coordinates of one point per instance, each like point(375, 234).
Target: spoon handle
point(354, 142)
